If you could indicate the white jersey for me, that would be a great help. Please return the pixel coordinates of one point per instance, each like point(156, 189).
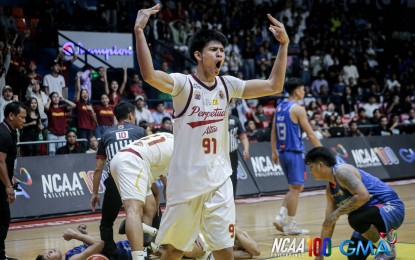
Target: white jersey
point(156, 151)
point(200, 161)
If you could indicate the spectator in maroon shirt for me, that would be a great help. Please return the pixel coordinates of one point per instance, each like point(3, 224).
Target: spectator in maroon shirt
point(86, 120)
point(115, 91)
point(57, 120)
point(105, 116)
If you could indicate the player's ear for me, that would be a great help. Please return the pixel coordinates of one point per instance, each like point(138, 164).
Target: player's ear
point(198, 55)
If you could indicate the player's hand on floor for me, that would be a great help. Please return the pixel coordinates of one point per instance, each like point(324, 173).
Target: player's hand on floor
point(82, 229)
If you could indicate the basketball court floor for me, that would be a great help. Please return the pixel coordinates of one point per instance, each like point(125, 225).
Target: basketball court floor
point(254, 215)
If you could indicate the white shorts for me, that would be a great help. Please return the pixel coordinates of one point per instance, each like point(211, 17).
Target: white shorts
point(130, 174)
point(212, 214)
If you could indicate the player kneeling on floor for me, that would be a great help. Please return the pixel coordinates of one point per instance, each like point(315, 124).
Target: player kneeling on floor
point(134, 169)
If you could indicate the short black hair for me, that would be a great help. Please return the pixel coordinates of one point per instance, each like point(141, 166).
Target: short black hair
point(199, 40)
point(166, 118)
point(122, 109)
point(70, 130)
point(39, 257)
point(292, 84)
point(13, 107)
point(321, 154)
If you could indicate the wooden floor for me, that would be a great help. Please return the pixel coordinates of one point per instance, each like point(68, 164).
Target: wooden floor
point(255, 218)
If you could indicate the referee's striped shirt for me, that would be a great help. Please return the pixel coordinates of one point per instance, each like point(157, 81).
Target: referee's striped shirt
point(115, 138)
point(235, 130)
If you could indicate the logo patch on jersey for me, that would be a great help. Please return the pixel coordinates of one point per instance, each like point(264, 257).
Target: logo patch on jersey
point(221, 94)
point(279, 109)
point(207, 102)
point(120, 126)
point(197, 95)
point(121, 135)
point(215, 101)
point(210, 129)
point(139, 143)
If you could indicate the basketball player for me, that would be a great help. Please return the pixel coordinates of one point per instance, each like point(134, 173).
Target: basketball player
point(134, 169)
point(199, 191)
point(287, 148)
point(371, 205)
point(114, 139)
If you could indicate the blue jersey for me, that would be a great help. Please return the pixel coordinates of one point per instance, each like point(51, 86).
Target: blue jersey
point(124, 250)
point(380, 193)
point(288, 133)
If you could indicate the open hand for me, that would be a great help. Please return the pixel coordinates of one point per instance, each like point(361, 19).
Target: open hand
point(278, 30)
point(143, 15)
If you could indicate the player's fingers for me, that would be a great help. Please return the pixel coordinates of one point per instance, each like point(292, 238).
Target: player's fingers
point(274, 21)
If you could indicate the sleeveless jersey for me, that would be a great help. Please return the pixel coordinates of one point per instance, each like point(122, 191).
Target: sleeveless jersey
point(288, 133)
point(201, 160)
point(115, 138)
point(380, 192)
point(156, 151)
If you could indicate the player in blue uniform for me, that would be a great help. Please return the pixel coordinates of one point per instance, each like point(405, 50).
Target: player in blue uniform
point(287, 146)
point(372, 206)
point(90, 246)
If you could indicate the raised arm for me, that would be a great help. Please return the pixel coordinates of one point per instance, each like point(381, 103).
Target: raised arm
point(106, 87)
point(274, 84)
point(78, 86)
point(156, 78)
point(124, 81)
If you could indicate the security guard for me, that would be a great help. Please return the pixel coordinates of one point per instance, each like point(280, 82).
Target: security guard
point(14, 118)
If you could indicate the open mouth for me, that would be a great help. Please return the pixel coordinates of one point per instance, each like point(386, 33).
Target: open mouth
point(218, 64)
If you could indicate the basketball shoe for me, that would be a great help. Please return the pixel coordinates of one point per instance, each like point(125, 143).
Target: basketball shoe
point(293, 229)
point(280, 221)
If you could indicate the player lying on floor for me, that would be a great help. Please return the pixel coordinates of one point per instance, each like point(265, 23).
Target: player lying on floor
point(90, 246)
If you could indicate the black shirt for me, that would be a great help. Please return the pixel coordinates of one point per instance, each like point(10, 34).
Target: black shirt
point(65, 150)
point(8, 140)
point(235, 129)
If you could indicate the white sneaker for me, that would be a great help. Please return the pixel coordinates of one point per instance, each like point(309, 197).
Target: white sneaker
point(293, 230)
point(279, 222)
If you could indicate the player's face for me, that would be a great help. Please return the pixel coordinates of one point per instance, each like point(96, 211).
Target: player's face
point(212, 57)
point(52, 254)
point(315, 169)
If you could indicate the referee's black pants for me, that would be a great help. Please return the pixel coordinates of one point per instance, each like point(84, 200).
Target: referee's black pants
point(4, 219)
point(234, 164)
point(110, 208)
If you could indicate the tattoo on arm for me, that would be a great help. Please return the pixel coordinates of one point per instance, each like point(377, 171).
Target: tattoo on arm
point(355, 186)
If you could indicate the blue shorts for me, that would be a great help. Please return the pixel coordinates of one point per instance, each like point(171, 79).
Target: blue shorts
point(393, 213)
point(294, 167)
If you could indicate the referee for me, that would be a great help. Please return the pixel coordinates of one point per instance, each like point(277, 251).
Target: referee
point(14, 118)
point(236, 131)
point(113, 140)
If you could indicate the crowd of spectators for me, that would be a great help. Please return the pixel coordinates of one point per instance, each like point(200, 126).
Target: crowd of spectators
point(357, 66)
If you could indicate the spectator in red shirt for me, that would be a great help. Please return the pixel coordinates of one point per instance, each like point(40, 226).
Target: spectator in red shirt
point(57, 120)
point(105, 116)
point(86, 120)
point(115, 91)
